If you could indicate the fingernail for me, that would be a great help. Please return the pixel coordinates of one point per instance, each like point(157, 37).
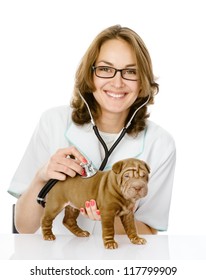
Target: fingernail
point(92, 202)
point(87, 203)
point(82, 210)
point(84, 160)
point(83, 173)
point(98, 212)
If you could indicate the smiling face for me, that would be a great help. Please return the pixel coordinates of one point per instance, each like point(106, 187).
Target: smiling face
point(116, 95)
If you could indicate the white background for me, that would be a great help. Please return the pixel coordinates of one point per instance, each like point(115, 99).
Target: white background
point(41, 45)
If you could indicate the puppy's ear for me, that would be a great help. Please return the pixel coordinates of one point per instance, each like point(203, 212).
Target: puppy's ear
point(117, 167)
point(147, 167)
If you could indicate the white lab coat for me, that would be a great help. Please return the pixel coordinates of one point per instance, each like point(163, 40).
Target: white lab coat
point(154, 145)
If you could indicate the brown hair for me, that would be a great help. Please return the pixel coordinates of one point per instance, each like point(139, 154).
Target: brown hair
point(84, 79)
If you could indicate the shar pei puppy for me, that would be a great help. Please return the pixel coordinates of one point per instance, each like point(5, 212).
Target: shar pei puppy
point(115, 191)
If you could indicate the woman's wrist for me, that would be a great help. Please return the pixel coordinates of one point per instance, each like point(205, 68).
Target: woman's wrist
point(41, 178)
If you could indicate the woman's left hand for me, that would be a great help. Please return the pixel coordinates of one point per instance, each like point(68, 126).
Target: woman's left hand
point(90, 211)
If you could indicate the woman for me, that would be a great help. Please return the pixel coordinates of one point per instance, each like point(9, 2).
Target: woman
point(113, 87)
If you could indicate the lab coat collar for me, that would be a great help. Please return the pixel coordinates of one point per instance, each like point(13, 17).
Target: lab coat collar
point(85, 140)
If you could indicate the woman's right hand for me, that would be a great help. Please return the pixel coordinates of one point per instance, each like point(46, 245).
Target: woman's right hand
point(65, 162)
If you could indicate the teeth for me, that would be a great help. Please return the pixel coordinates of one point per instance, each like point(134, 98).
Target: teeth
point(116, 95)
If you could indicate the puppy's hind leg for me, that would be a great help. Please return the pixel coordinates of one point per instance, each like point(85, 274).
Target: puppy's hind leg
point(49, 215)
point(70, 222)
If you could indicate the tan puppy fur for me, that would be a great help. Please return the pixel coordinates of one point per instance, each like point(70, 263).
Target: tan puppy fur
point(115, 192)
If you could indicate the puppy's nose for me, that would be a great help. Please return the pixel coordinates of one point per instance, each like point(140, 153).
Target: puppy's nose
point(143, 191)
point(139, 188)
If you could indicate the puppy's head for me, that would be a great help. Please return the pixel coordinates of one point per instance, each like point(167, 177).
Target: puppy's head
point(133, 176)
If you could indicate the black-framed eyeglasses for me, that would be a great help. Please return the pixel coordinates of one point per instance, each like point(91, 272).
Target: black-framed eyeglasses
point(107, 72)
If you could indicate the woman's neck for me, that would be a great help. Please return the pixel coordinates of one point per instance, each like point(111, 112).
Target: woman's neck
point(111, 123)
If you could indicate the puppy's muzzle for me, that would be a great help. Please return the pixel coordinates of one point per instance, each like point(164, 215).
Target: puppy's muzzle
point(135, 189)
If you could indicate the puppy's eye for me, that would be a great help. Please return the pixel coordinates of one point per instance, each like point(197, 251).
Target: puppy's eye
point(126, 175)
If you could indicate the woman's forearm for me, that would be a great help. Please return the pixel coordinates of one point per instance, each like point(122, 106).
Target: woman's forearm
point(27, 211)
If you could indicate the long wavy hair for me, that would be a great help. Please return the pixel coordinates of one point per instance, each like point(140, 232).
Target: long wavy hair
point(84, 79)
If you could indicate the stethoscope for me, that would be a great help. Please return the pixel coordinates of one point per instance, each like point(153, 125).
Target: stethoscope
point(122, 133)
point(88, 167)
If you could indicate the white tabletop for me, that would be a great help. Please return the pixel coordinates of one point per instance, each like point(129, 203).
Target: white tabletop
point(158, 247)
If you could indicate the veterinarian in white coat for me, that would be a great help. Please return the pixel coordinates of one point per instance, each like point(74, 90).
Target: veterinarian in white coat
point(116, 81)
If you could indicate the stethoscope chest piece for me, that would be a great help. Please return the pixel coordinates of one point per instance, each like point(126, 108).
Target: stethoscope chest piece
point(89, 169)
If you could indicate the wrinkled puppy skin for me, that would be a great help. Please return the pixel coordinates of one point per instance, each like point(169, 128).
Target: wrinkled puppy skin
point(115, 191)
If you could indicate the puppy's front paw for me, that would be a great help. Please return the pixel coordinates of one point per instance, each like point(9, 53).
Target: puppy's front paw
point(49, 237)
point(111, 245)
point(138, 240)
point(82, 233)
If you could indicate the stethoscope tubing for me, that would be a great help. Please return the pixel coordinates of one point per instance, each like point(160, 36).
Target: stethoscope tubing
point(108, 152)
